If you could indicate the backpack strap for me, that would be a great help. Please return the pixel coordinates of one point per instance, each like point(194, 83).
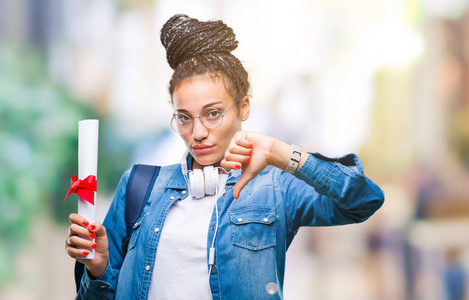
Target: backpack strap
point(79, 270)
point(139, 187)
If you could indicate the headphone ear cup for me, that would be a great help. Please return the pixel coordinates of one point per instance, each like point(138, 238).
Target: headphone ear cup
point(211, 180)
point(196, 180)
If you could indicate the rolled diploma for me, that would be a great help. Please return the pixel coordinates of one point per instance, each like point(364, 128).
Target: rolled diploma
point(88, 165)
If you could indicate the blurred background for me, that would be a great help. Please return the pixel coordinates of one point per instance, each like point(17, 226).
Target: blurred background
point(386, 79)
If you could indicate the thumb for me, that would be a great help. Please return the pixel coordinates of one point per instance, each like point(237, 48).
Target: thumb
point(242, 181)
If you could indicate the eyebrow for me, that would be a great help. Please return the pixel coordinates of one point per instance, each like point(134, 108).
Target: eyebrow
point(203, 107)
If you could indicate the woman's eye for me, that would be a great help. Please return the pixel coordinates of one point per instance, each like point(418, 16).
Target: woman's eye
point(183, 119)
point(213, 114)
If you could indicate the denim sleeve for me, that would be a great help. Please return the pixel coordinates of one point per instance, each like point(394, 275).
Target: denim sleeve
point(326, 192)
point(104, 287)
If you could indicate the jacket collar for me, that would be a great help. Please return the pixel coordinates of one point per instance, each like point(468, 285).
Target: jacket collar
point(177, 181)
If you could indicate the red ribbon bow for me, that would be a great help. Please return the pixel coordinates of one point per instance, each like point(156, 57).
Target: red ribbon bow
point(83, 188)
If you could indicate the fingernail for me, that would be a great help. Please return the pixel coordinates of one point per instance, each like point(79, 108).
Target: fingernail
point(94, 245)
point(250, 145)
point(238, 166)
point(85, 253)
point(92, 227)
point(248, 159)
point(86, 223)
point(92, 235)
point(250, 152)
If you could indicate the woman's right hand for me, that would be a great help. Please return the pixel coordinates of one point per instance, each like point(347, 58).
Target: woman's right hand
point(80, 241)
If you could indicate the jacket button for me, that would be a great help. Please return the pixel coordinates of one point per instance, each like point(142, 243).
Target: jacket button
point(265, 220)
point(214, 267)
point(230, 187)
point(147, 268)
point(157, 229)
point(172, 197)
point(184, 192)
point(212, 228)
point(240, 219)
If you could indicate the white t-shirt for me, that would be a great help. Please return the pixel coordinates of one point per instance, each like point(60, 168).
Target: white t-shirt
point(180, 270)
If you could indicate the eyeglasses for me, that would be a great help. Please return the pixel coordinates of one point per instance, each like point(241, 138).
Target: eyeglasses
point(213, 118)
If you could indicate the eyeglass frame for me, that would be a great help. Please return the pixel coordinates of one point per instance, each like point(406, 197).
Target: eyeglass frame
point(202, 120)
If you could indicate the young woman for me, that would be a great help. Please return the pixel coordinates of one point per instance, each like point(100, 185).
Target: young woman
point(229, 243)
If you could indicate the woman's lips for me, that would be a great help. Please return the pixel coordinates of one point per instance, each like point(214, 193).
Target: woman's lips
point(199, 149)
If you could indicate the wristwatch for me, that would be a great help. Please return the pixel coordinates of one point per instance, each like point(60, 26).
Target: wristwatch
point(294, 160)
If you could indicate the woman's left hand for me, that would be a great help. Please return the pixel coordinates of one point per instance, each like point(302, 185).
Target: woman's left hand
point(252, 152)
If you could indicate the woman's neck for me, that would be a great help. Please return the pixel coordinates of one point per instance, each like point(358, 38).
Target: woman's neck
point(196, 165)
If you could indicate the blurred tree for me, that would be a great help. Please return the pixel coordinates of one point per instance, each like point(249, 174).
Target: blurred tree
point(38, 149)
point(130, 4)
point(458, 132)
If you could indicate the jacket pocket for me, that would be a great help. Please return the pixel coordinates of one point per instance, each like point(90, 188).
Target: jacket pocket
point(253, 228)
point(136, 231)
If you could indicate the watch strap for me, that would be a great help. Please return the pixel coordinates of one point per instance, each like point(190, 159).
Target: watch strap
point(294, 160)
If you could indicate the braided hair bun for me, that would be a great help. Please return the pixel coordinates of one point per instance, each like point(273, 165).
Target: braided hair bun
point(184, 38)
point(195, 48)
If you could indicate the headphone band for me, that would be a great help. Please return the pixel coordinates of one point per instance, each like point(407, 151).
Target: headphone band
point(201, 183)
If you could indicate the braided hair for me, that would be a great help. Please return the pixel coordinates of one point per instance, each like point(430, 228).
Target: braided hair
point(203, 48)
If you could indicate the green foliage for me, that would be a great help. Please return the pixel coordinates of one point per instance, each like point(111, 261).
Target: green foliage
point(132, 4)
point(458, 134)
point(39, 149)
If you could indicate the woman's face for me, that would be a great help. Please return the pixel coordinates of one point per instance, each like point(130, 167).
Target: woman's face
point(194, 97)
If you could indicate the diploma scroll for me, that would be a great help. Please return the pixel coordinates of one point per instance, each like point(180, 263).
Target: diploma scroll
point(87, 165)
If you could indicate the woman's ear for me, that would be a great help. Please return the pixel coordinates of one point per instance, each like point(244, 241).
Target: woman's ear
point(244, 108)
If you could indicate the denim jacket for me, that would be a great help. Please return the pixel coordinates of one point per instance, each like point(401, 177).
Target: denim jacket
point(254, 231)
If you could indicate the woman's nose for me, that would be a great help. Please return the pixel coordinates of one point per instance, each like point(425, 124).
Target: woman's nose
point(199, 131)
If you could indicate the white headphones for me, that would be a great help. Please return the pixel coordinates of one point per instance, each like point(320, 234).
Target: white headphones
point(200, 182)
